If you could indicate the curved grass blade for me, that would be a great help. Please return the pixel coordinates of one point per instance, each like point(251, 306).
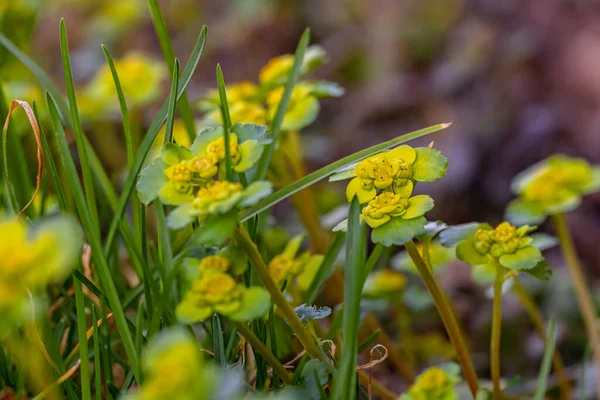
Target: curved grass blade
point(93, 237)
point(226, 122)
point(344, 386)
point(184, 80)
point(172, 103)
point(265, 159)
point(84, 368)
point(88, 181)
point(546, 361)
point(160, 25)
point(324, 172)
point(122, 106)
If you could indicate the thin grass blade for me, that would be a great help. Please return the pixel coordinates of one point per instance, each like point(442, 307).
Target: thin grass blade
point(325, 268)
point(226, 122)
point(546, 361)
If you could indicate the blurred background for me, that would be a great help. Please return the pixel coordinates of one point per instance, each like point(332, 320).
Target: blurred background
point(519, 80)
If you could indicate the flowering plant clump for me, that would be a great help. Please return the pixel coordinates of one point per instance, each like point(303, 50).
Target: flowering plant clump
point(385, 182)
point(436, 383)
point(257, 103)
point(215, 290)
point(33, 257)
point(552, 186)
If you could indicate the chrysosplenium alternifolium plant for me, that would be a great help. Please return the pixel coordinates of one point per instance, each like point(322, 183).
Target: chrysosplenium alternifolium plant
point(437, 383)
point(33, 257)
point(384, 184)
point(552, 186)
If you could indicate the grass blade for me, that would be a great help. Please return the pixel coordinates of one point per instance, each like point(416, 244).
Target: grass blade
point(546, 361)
point(84, 368)
point(345, 379)
point(226, 122)
point(88, 182)
point(93, 238)
point(324, 172)
point(325, 268)
point(160, 26)
point(172, 103)
point(97, 363)
point(265, 159)
point(149, 139)
point(218, 344)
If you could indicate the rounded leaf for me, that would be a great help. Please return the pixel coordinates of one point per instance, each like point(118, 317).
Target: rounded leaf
point(205, 137)
point(418, 206)
point(524, 258)
point(152, 179)
point(250, 151)
point(465, 251)
point(519, 212)
point(255, 192)
point(398, 231)
point(173, 153)
point(430, 165)
point(256, 301)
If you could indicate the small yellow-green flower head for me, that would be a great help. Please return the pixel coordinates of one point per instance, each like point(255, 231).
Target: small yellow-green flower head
point(281, 267)
point(176, 177)
point(436, 383)
point(302, 109)
point(175, 369)
point(246, 144)
point(394, 170)
point(217, 197)
point(217, 263)
point(140, 78)
point(278, 68)
point(32, 258)
point(506, 244)
point(180, 135)
point(552, 186)
point(384, 283)
point(218, 292)
point(388, 205)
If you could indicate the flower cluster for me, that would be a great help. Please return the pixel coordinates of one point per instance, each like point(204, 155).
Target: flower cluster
point(32, 258)
point(384, 283)
point(174, 368)
point(552, 186)
point(187, 177)
point(385, 183)
point(140, 77)
point(257, 103)
point(289, 265)
point(215, 290)
point(437, 383)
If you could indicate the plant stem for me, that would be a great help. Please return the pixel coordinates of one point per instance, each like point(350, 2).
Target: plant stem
point(264, 351)
point(584, 297)
point(538, 323)
point(383, 392)
point(496, 332)
point(448, 317)
point(284, 307)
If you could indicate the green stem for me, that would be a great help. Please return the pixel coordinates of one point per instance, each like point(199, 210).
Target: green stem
point(537, 320)
point(496, 332)
point(584, 297)
point(448, 317)
point(264, 351)
point(284, 307)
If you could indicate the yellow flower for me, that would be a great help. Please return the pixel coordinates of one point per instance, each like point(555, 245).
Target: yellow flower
point(431, 379)
point(435, 383)
point(276, 69)
point(302, 109)
point(282, 267)
point(180, 135)
point(214, 263)
point(30, 260)
point(383, 207)
point(187, 176)
point(140, 78)
point(217, 197)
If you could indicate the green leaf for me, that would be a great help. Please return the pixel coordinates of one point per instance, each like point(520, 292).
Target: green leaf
point(455, 234)
point(344, 386)
point(542, 384)
point(524, 258)
point(594, 185)
point(466, 252)
point(543, 241)
point(173, 154)
point(181, 216)
point(398, 231)
point(171, 104)
point(301, 113)
point(218, 344)
point(541, 271)
point(431, 230)
point(430, 165)
point(217, 229)
point(251, 132)
point(519, 212)
point(330, 169)
point(255, 192)
point(321, 89)
point(255, 303)
point(418, 206)
point(226, 122)
point(204, 138)
point(152, 179)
